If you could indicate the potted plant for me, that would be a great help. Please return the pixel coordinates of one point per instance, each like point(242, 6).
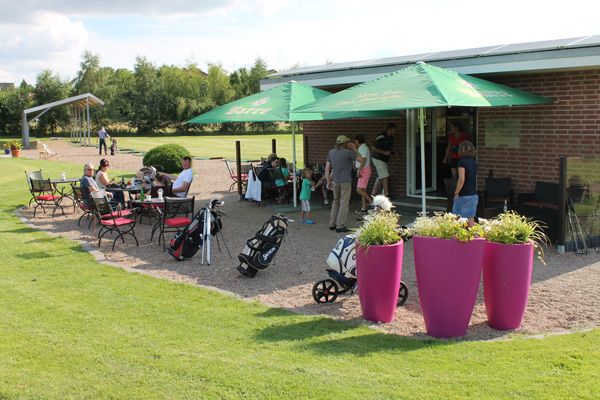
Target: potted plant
point(15, 148)
point(379, 251)
point(507, 267)
point(448, 261)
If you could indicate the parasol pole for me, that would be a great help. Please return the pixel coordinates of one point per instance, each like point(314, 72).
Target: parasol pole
point(422, 139)
point(294, 163)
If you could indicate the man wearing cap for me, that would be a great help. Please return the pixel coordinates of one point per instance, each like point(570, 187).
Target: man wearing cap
point(340, 160)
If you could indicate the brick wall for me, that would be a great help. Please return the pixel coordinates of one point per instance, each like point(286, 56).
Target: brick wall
point(570, 128)
point(321, 137)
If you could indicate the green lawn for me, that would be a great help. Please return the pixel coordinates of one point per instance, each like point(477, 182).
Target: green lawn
point(253, 146)
point(71, 328)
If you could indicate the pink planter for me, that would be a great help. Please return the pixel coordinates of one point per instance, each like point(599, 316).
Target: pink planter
point(507, 272)
point(379, 269)
point(448, 274)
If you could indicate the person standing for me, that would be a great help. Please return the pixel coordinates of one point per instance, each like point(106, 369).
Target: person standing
point(341, 160)
point(455, 138)
point(382, 150)
point(102, 136)
point(363, 171)
point(308, 186)
point(465, 194)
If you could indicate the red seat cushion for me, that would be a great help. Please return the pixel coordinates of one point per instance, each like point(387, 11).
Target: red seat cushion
point(122, 213)
point(117, 222)
point(47, 197)
point(177, 222)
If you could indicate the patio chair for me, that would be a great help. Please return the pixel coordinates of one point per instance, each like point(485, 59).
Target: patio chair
point(176, 214)
point(234, 176)
point(46, 153)
point(112, 221)
point(33, 175)
point(86, 209)
point(497, 193)
point(44, 194)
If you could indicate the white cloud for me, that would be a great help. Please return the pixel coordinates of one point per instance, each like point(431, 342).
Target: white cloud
point(50, 41)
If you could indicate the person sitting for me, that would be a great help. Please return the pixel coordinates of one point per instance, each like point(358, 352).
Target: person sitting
point(282, 182)
point(102, 181)
point(88, 184)
point(266, 174)
point(183, 181)
point(267, 163)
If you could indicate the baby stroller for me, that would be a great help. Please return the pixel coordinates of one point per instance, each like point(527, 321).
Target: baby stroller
point(342, 274)
point(262, 248)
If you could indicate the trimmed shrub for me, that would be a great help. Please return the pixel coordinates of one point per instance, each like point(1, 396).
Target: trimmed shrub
point(168, 156)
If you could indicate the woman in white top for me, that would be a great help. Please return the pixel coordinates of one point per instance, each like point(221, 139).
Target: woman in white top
point(103, 182)
point(363, 171)
point(102, 174)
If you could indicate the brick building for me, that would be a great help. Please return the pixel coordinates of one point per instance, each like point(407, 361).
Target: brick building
point(524, 143)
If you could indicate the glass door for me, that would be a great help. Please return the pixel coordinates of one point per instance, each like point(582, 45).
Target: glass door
point(413, 158)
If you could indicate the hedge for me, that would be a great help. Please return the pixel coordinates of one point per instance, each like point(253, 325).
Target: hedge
point(168, 156)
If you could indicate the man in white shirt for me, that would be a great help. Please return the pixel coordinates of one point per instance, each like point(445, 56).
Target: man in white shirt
point(184, 179)
point(102, 136)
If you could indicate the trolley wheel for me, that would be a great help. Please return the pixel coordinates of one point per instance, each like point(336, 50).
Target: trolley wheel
point(402, 294)
point(325, 291)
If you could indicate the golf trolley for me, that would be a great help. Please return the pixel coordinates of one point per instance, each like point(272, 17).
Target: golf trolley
point(212, 226)
point(342, 274)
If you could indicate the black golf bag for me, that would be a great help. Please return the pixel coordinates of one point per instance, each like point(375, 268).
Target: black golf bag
point(187, 242)
point(261, 249)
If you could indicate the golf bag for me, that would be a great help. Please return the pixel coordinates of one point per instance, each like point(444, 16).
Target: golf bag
point(187, 242)
point(342, 261)
point(262, 248)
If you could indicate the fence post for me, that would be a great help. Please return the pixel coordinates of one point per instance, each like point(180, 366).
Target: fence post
point(238, 167)
point(274, 146)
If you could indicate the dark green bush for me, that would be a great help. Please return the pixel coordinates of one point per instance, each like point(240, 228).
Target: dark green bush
point(168, 156)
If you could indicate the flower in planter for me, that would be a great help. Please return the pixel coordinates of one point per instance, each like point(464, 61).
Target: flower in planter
point(513, 228)
point(445, 226)
point(380, 227)
point(15, 145)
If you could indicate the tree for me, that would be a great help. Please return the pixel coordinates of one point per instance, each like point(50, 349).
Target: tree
point(50, 87)
point(12, 104)
point(145, 97)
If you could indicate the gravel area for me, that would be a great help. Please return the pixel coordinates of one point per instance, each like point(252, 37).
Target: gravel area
point(564, 295)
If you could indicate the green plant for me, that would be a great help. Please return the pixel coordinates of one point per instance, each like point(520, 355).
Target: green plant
point(15, 144)
point(380, 228)
point(168, 156)
point(513, 228)
point(445, 226)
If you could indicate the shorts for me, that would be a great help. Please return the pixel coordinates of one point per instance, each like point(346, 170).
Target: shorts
point(453, 163)
point(381, 168)
point(465, 206)
point(305, 205)
point(365, 175)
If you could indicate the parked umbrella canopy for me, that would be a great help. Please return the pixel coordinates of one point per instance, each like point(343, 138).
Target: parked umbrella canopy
point(276, 105)
point(422, 86)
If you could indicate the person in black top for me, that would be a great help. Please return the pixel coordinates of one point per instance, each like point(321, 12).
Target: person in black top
point(382, 150)
point(465, 195)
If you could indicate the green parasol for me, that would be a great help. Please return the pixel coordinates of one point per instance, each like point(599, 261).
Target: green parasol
point(422, 86)
point(276, 104)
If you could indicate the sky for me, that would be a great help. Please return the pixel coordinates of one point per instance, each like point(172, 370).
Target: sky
point(53, 34)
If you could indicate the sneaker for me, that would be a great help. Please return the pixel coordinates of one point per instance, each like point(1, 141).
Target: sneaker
point(309, 222)
point(332, 228)
point(342, 229)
